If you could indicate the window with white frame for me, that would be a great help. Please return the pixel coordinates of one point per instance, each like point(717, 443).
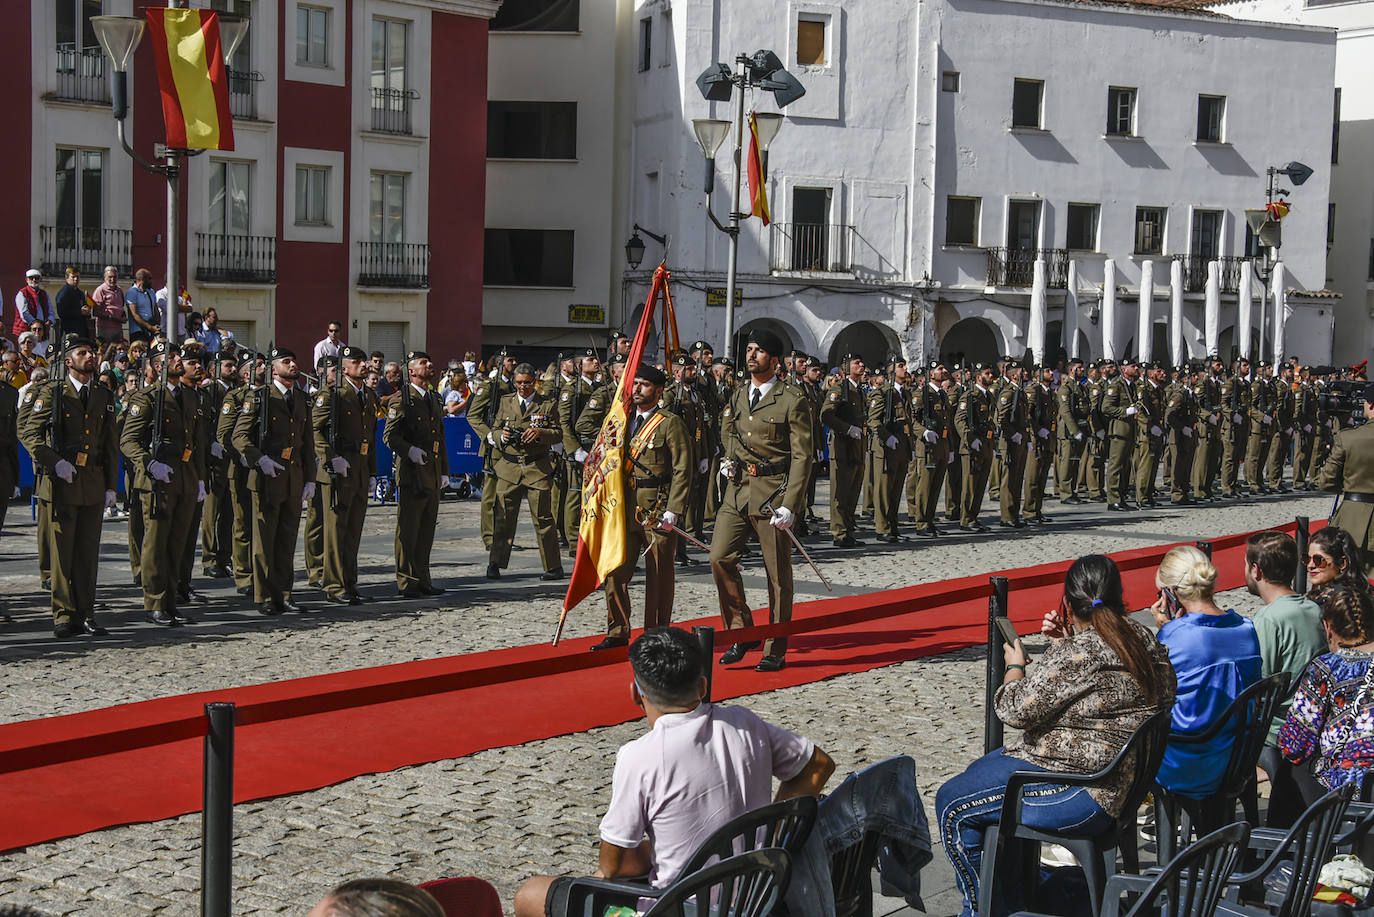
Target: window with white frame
point(1149, 230)
point(1120, 111)
point(961, 220)
point(241, 62)
point(1206, 241)
point(387, 207)
point(1211, 114)
point(312, 195)
point(390, 38)
point(230, 197)
point(1027, 97)
point(312, 35)
point(1082, 227)
point(80, 184)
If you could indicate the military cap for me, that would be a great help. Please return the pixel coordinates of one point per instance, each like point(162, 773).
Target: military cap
point(894, 358)
point(618, 358)
point(651, 374)
point(796, 353)
point(702, 345)
point(162, 349)
point(1075, 361)
point(328, 361)
point(193, 350)
point(414, 355)
point(617, 335)
point(73, 341)
point(349, 352)
point(726, 362)
point(845, 358)
point(682, 359)
point(1156, 364)
point(564, 356)
point(1264, 364)
point(814, 362)
point(980, 366)
point(1011, 362)
point(767, 341)
point(246, 357)
point(281, 353)
point(1129, 361)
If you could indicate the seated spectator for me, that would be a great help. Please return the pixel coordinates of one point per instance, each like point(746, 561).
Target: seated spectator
point(40, 335)
point(390, 382)
point(1289, 629)
point(377, 898)
point(1215, 655)
point(13, 369)
point(28, 356)
point(456, 401)
point(1102, 676)
point(700, 766)
point(1330, 727)
point(1333, 559)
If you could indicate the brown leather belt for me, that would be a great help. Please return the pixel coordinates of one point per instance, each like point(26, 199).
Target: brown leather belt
point(763, 469)
point(636, 483)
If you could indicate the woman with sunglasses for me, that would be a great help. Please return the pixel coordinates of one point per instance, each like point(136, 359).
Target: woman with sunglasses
point(1216, 655)
point(1329, 723)
point(1332, 560)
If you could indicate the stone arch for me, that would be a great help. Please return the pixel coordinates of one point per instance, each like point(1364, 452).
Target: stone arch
point(1227, 344)
point(871, 340)
point(970, 340)
point(791, 340)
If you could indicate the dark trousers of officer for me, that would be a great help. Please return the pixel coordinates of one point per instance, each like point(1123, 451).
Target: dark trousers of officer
point(1118, 471)
point(415, 535)
point(733, 524)
point(974, 485)
point(846, 480)
point(1257, 454)
point(924, 482)
point(571, 511)
point(188, 557)
point(217, 522)
point(135, 535)
point(276, 524)
point(1067, 464)
point(166, 539)
point(562, 523)
point(44, 517)
point(1185, 448)
point(1146, 467)
point(658, 582)
point(1302, 458)
point(314, 539)
point(1037, 474)
point(1204, 455)
point(1233, 440)
point(489, 508)
point(343, 535)
point(954, 487)
point(74, 544)
point(1013, 478)
point(1279, 449)
point(242, 531)
point(889, 474)
point(540, 502)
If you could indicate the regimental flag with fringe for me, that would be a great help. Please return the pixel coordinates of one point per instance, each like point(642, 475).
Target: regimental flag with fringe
point(603, 543)
point(192, 78)
point(758, 194)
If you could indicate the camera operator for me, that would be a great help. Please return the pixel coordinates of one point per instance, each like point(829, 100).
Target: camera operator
point(1349, 470)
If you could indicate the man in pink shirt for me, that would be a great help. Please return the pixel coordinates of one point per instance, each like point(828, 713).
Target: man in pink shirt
point(699, 766)
point(109, 307)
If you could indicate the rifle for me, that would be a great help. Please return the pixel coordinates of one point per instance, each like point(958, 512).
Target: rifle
point(59, 372)
point(157, 443)
point(926, 422)
point(334, 436)
point(264, 406)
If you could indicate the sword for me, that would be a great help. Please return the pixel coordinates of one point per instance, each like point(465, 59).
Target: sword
point(649, 521)
point(767, 510)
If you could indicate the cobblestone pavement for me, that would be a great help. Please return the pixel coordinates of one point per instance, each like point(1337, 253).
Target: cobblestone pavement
point(504, 813)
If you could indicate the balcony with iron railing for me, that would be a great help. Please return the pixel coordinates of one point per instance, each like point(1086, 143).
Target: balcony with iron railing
point(391, 110)
point(87, 248)
point(235, 259)
point(1015, 267)
point(81, 75)
point(1195, 272)
point(404, 265)
point(243, 93)
point(816, 247)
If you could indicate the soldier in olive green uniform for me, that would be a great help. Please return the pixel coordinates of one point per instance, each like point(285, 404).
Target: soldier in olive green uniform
point(169, 470)
point(1074, 427)
point(683, 397)
point(1180, 425)
point(563, 523)
point(1094, 472)
point(932, 422)
point(193, 377)
point(1149, 419)
point(481, 410)
point(43, 509)
point(1119, 410)
point(1235, 427)
point(889, 430)
point(766, 438)
point(974, 420)
point(1012, 422)
point(1305, 431)
point(811, 390)
point(150, 380)
point(327, 374)
point(1207, 457)
point(1043, 422)
point(522, 434)
point(845, 414)
point(594, 414)
point(954, 474)
point(1349, 470)
point(1285, 417)
point(273, 433)
point(710, 438)
point(572, 400)
point(344, 420)
point(217, 515)
point(658, 459)
point(79, 464)
point(252, 373)
point(415, 435)
point(1262, 410)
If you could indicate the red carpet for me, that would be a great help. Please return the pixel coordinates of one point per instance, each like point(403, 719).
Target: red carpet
point(67, 775)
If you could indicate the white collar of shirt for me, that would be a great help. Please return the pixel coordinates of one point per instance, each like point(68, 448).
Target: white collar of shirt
point(645, 415)
point(356, 387)
point(524, 403)
point(418, 389)
point(980, 388)
point(763, 389)
point(590, 380)
point(281, 388)
point(76, 385)
point(934, 387)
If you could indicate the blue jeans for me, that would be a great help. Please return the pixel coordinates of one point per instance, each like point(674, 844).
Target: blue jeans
point(972, 802)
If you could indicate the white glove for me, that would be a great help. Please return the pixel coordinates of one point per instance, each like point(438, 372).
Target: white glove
point(160, 472)
point(556, 448)
point(930, 437)
point(267, 465)
point(1043, 433)
point(782, 518)
point(669, 518)
point(200, 491)
point(855, 432)
point(243, 460)
point(65, 470)
point(891, 442)
point(15, 496)
point(913, 455)
point(216, 449)
point(1187, 431)
point(1235, 418)
point(1213, 420)
point(727, 470)
point(1268, 420)
point(1131, 411)
point(339, 464)
point(1307, 428)
point(703, 466)
point(953, 458)
point(580, 455)
point(416, 455)
point(976, 445)
point(307, 492)
point(372, 485)
point(1101, 434)
point(1155, 430)
point(1016, 439)
point(443, 482)
point(109, 498)
point(1078, 437)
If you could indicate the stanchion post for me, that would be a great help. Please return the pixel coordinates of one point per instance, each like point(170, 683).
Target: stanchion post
point(217, 831)
point(997, 607)
point(706, 637)
point(1206, 548)
point(1302, 531)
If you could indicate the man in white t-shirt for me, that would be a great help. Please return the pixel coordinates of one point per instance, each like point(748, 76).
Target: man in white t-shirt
point(699, 766)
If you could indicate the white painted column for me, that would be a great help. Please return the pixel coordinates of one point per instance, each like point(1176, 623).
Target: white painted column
point(1211, 322)
point(1035, 335)
point(1280, 310)
point(1177, 354)
point(1144, 336)
point(1070, 323)
point(1246, 302)
point(1109, 309)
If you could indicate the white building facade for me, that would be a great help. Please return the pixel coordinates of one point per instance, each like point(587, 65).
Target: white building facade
point(944, 148)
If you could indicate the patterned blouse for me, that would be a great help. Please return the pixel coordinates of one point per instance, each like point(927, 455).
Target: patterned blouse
point(1331, 721)
point(1078, 706)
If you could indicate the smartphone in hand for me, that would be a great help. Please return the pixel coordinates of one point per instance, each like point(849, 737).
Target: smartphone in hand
point(1009, 633)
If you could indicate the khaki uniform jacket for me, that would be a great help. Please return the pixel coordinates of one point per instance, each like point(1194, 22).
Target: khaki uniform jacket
point(480, 407)
point(356, 438)
point(1180, 410)
point(589, 423)
point(572, 400)
point(889, 414)
point(1073, 409)
point(1285, 405)
point(973, 420)
point(1042, 412)
point(1261, 402)
point(181, 442)
point(776, 431)
point(1235, 399)
point(684, 401)
point(290, 442)
point(527, 464)
point(845, 406)
point(212, 398)
point(224, 427)
point(1150, 401)
point(416, 419)
point(1119, 395)
point(1207, 392)
point(1349, 468)
point(88, 443)
point(931, 409)
point(1013, 413)
point(666, 454)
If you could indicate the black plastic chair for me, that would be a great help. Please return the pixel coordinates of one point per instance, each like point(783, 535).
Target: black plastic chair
point(1250, 714)
point(1096, 854)
point(1307, 845)
point(786, 824)
point(1190, 886)
point(851, 875)
point(748, 885)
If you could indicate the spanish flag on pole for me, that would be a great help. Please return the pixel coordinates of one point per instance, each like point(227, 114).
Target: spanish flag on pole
point(758, 194)
point(192, 78)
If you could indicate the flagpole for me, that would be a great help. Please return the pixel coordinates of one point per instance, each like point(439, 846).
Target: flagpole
point(741, 82)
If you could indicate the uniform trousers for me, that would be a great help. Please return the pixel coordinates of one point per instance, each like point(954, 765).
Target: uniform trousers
point(846, 479)
point(44, 518)
point(314, 538)
point(733, 524)
point(276, 523)
point(1257, 454)
point(923, 486)
point(1069, 463)
point(217, 522)
point(1013, 478)
point(889, 474)
point(1037, 475)
point(540, 502)
point(1233, 439)
point(343, 529)
point(242, 547)
point(74, 544)
point(1184, 448)
point(417, 513)
point(975, 473)
point(166, 539)
point(659, 582)
point(1279, 450)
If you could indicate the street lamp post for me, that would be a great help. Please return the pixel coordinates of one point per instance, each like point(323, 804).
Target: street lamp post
point(1269, 234)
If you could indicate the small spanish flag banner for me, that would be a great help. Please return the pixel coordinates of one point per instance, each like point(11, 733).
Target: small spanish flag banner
point(1278, 209)
point(758, 194)
point(192, 78)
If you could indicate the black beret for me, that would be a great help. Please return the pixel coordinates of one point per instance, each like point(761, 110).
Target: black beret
point(416, 355)
point(814, 362)
point(162, 348)
point(246, 357)
point(935, 364)
point(651, 374)
point(618, 358)
point(726, 362)
point(1075, 361)
point(1011, 363)
point(1129, 361)
point(845, 358)
point(894, 358)
point(583, 354)
point(328, 360)
point(73, 341)
point(1157, 364)
point(349, 352)
point(702, 345)
point(794, 353)
point(766, 340)
point(682, 359)
point(281, 353)
point(617, 335)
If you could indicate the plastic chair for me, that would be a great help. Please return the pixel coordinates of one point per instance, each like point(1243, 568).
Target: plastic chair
point(748, 885)
point(465, 897)
point(1190, 886)
point(1096, 854)
point(1250, 714)
point(1307, 845)
point(786, 825)
point(851, 875)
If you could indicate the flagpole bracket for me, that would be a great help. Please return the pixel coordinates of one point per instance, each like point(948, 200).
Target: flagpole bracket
point(729, 230)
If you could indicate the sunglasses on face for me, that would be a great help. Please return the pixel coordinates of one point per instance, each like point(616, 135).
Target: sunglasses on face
point(1315, 560)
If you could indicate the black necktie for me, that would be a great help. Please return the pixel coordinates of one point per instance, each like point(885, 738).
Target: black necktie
point(754, 398)
point(85, 397)
point(524, 408)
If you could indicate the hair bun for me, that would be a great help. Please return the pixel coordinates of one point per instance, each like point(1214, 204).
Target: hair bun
point(1187, 571)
